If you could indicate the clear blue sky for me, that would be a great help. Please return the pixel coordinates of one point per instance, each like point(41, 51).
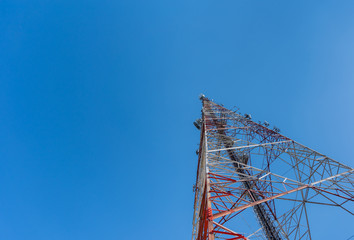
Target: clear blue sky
point(97, 100)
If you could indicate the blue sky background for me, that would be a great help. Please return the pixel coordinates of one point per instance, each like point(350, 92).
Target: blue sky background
point(97, 100)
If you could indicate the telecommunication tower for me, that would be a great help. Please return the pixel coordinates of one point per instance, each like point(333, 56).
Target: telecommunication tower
point(250, 174)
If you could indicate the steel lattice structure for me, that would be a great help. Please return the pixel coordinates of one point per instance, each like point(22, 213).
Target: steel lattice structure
point(245, 167)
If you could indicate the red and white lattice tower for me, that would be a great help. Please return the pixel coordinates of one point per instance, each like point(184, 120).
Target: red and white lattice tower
point(249, 174)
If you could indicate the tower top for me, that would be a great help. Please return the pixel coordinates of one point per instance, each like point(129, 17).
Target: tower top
point(201, 96)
